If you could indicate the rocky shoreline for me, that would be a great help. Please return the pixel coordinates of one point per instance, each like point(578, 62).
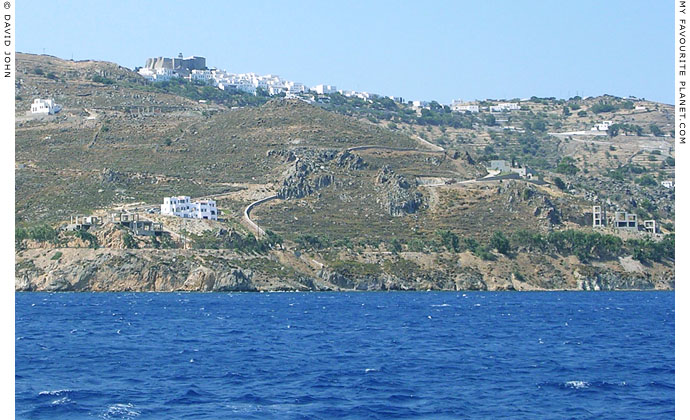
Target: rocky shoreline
point(118, 270)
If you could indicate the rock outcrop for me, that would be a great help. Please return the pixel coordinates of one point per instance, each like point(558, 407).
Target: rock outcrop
point(395, 193)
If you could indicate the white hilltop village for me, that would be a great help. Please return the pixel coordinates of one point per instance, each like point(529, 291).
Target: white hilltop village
point(193, 68)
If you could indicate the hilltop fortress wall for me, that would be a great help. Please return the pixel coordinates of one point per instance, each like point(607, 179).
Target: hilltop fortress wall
point(189, 63)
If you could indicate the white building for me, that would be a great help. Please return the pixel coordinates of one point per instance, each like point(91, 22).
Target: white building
point(505, 166)
point(276, 90)
point(161, 74)
point(507, 106)
point(182, 206)
point(45, 106)
point(295, 87)
point(203, 76)
point(458, 106)
point(602, 126)
point(324, 89)
point(205, 209)
point(667, 184)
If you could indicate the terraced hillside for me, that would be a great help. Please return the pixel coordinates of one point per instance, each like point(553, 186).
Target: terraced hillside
point(367, 195)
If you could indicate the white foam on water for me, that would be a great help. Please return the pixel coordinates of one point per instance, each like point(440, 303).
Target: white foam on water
point(120, 411)
point(577, 384)
point(444, 305)
point(56, 392)
point(63, 400)
point(367, 370)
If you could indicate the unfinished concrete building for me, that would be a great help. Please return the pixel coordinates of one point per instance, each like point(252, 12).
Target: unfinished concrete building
point(597, 217)
point(138, 227)
point(81, 222)
point(625, 220)
point(651, 226)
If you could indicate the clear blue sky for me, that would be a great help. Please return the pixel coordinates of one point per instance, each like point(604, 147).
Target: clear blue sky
point(439, 50)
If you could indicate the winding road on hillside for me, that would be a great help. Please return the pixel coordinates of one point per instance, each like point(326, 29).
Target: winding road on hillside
point(260, 232)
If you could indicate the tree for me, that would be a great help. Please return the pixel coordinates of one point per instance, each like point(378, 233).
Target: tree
point(646, 181)
point(539, 125)
point(490, 120)
point(450, 240)
point(396, 246)
point(655, 130)
point(567, 166)
point(500, 243)
point(602, 107)
point(559, 183)
point(613, 130)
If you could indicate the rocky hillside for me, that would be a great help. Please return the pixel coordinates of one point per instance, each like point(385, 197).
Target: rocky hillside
point(366, 196)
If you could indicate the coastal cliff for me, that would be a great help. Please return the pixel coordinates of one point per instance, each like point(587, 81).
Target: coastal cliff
point(116, 270)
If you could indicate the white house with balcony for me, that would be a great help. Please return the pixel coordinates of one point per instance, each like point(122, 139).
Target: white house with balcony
point(205, 209)
point(45, 106)
point(182, 206)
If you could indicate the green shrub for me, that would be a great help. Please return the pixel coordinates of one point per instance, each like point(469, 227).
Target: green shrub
point(485, 254)
point(500, 243)
point(567, 166)
point(559, 183)
point(39, 233)
point(449, 240)
point(56, 256)
point(129, 241)
point(602, 107)
point(86, 236)
point(247, 243)
point(646, 181)
point(100, 79)
point(472, 244)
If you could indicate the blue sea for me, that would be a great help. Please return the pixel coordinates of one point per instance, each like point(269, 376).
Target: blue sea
point(421, 355)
